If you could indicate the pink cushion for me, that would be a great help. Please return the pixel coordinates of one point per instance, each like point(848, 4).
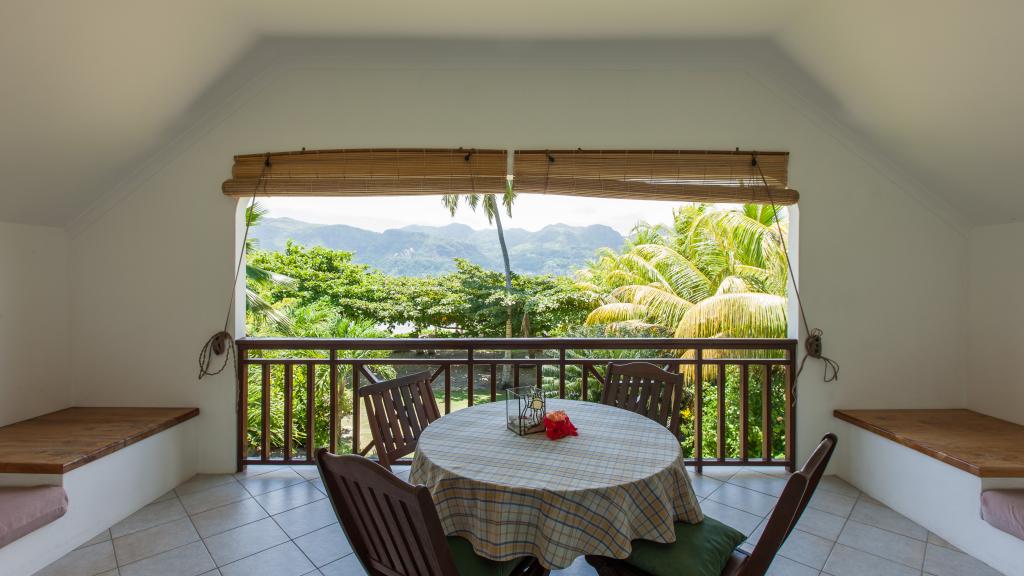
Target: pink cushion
point(24, 509)
point(1004, 509)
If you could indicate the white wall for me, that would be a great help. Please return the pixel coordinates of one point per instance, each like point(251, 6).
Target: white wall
point(996, 321)
point(153, 265)
point(34, 321)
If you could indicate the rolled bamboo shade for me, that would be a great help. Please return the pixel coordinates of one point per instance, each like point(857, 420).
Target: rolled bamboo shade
point(675, 175)
point(378, 172)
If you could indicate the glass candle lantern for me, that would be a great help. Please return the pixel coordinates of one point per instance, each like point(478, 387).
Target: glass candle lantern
point(525, 408)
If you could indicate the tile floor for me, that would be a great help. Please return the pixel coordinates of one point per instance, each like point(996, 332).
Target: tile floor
point(278, 521)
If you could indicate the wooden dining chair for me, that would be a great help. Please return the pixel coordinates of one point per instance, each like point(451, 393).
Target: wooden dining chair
point(646, 389)
point(712, 545)
point(394, 529)
point(398, 410)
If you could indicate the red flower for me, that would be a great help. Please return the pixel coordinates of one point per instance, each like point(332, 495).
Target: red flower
point(557, 425)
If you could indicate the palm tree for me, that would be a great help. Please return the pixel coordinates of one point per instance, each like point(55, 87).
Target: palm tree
point(718, 273)
point(489, 203)
point(256, 277)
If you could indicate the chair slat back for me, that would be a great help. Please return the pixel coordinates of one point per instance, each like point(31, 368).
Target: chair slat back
point(397, 411)
point(393, 526)
point(646, 389)
point(795, 496)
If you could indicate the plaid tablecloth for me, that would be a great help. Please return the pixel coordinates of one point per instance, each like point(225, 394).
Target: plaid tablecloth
point(621, 479)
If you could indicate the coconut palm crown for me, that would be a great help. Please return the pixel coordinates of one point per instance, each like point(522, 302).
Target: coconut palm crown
point(719, 272)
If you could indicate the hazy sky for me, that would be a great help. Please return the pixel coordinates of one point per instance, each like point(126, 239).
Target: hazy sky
point(531, 211)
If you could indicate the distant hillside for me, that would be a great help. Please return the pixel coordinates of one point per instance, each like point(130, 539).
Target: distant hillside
point(420, 250)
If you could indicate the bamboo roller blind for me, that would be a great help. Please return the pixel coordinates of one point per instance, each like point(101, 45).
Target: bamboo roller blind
point(674, 175)
point(391, 172)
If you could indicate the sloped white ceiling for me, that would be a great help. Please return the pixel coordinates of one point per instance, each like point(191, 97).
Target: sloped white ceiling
point(90, 89)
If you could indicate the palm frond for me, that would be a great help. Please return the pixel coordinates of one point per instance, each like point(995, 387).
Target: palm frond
point(685, 278)
point(616, 312)
point(745, 315)
point(274, 317)
point(662, 306)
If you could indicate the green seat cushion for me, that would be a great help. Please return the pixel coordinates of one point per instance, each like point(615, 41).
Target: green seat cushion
point(469, 564)
point(699, 550)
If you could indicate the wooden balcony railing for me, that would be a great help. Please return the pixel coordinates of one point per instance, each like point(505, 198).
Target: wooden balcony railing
point(297, 394)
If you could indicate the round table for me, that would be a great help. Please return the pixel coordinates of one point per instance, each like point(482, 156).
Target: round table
point(623, 478)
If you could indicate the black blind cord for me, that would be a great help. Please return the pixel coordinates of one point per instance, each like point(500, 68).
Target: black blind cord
point(223, 342)
point(812, 344)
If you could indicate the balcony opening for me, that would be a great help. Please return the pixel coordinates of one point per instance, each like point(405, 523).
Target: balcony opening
point(382, 287)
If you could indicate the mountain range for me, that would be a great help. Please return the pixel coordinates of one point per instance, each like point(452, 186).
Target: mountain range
point(422, 250)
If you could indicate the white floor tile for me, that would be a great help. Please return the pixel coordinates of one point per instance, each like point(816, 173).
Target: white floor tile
point(201, 482)
point(347, 566)
point(934, 538)
point(743, 521)
point(814, 521)
point(227, 517)
point(283, 560)
point(846, 561)
point(215, 497)
point(872, 513)
point(305, 519)
point(785, 567)
point(704, 485)
point(942, 561)
point(83, 561)
point(838, 485)
point(807, 549)
point(243, 541)
point(832, 503)
point(289, 497)
point(888, 545)
point(189, 560)
point(270, 481)
point(763, 483)
point(744, 499)
point(148, 516)
point(155, 540)
point(325, 545)
point(101, 537)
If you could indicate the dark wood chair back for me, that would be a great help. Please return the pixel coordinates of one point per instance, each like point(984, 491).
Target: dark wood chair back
point(795, 496)
point(646, 389)
point(393, 526)
point(398, 410)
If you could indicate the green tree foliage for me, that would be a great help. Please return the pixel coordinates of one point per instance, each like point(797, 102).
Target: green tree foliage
point(717, 273)
point(471, 301)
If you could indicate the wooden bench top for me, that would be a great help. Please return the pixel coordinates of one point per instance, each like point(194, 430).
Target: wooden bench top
point(61, 441)
point(973, 442)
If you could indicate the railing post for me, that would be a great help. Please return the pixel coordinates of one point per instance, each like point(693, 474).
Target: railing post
point(469, 376)
point(766, 414)
point(289, 416)
point(698, 391)
point(242, 380)
point(447, 388)
point(265, 413)
point(333, 379)
point(744, 409)
point(310, 411)
point(355, 409)
point(561, 373)
point(791, 406)
point(721, 412)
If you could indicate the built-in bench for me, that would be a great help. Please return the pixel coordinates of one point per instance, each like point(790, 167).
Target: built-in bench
point(67, 475)
point(944, 469)
point(59, 442)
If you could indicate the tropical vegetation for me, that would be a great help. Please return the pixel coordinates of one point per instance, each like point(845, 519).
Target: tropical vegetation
point(715, 272)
